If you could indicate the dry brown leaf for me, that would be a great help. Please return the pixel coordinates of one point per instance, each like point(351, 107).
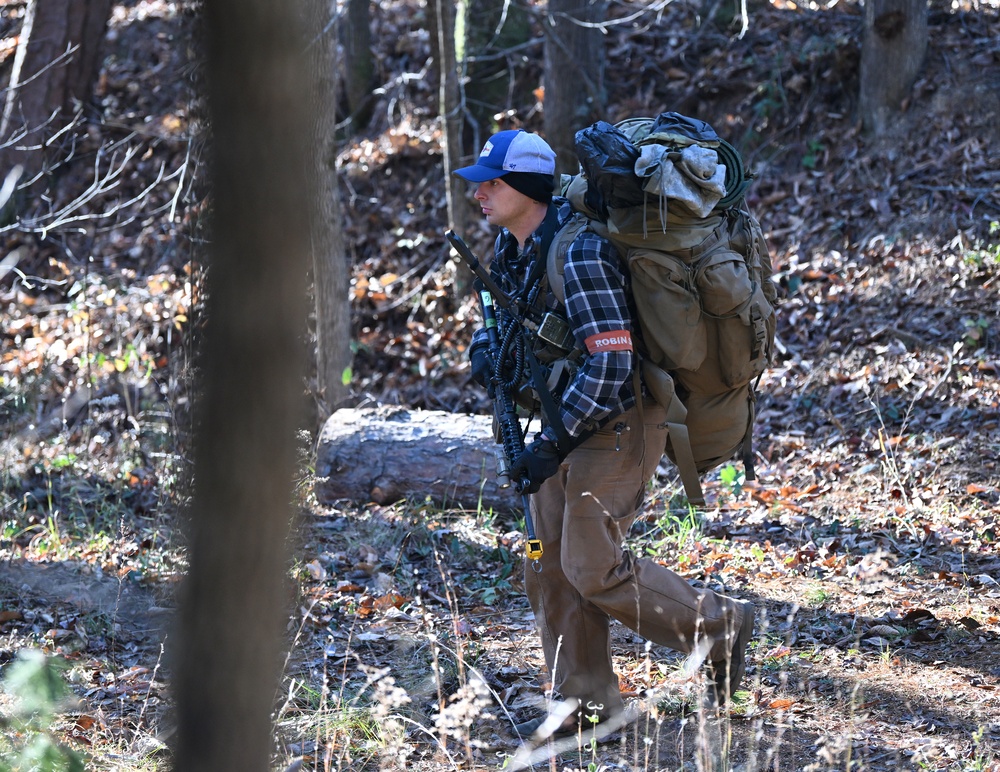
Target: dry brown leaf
point(392, 599)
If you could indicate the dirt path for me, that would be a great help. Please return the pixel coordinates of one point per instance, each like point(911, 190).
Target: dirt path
point(133, 608)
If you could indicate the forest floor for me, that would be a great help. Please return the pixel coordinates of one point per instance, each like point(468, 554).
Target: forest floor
point(868, 543)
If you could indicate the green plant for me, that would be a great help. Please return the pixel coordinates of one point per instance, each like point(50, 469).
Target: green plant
point(983, 255)
point(816, 596)
point(814, 152)
point(48, 540)
point(127, 359)
point(593, 718)
point(493, 592)
point(982, 757)
point(675, 529)
point(732, 480)
point(36, 683)
point(976, 331)
point(64, 461)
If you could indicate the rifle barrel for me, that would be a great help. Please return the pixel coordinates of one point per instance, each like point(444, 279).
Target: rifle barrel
point(511, 440)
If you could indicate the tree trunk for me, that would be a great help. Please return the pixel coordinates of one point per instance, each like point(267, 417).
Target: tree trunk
point(490, 36)
point(331, 269)
point(893, 47)
point(358, 64)
point(574, 74)
point(54, 68)
point(390, 454)
point(234, 601)
point(451, 107)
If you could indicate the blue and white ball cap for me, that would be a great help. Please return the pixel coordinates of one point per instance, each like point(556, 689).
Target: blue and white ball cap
point(515, 150)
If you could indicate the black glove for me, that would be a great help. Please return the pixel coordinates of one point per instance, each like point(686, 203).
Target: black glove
point(539, 461)
point(482, 367)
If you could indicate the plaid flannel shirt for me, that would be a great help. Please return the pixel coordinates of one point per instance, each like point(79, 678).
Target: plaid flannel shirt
point(596, 303)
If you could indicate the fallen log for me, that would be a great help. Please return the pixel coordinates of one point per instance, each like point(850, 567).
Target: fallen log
point(391, 454)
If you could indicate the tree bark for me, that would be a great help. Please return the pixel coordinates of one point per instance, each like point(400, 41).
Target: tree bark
point(575, 95)
point(234, 600)
point(358, 63)
point(490, 36)
point(893, 47)
point(388, 455)
point(452, 110)
point(54, 68)
point(331, 268)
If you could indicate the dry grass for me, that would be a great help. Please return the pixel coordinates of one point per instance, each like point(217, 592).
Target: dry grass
point(839, 677)
point(868, 544)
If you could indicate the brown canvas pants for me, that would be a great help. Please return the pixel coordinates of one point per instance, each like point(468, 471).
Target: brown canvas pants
point(585, 578)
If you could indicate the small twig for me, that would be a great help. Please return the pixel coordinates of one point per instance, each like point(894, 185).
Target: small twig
point(947, 374)
point(9, 184)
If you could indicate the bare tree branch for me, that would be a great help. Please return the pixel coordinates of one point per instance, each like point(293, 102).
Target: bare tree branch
point(110, 167)
point(17, 84)
point(9, 184)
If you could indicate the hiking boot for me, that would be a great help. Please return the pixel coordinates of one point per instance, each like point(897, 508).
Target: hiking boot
point(603, 731)
point(726, 675)
point(526, 729)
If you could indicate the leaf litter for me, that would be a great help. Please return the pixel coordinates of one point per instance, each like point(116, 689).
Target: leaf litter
point(869, 541)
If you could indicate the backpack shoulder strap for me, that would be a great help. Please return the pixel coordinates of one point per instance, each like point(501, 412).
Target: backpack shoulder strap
point(544, 235)
point(556, 259)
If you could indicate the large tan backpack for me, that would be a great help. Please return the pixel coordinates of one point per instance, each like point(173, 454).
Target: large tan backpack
point(669, 194)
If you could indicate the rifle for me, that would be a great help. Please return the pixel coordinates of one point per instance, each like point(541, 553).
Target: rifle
point(511, 439)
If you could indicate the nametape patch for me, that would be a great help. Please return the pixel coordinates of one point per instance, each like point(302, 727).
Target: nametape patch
point(614, 340)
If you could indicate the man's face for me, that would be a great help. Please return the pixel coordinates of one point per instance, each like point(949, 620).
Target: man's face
point(502, 205)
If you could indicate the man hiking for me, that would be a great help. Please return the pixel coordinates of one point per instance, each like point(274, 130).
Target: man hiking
point(589, 465)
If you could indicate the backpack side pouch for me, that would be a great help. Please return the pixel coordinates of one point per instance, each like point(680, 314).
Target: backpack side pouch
point(727, 293)
point(670, 314)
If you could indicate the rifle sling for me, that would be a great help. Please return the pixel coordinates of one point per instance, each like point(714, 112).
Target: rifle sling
point(549, 407)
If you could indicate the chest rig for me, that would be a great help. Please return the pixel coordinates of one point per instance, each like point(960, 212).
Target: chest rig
point(543, 328)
